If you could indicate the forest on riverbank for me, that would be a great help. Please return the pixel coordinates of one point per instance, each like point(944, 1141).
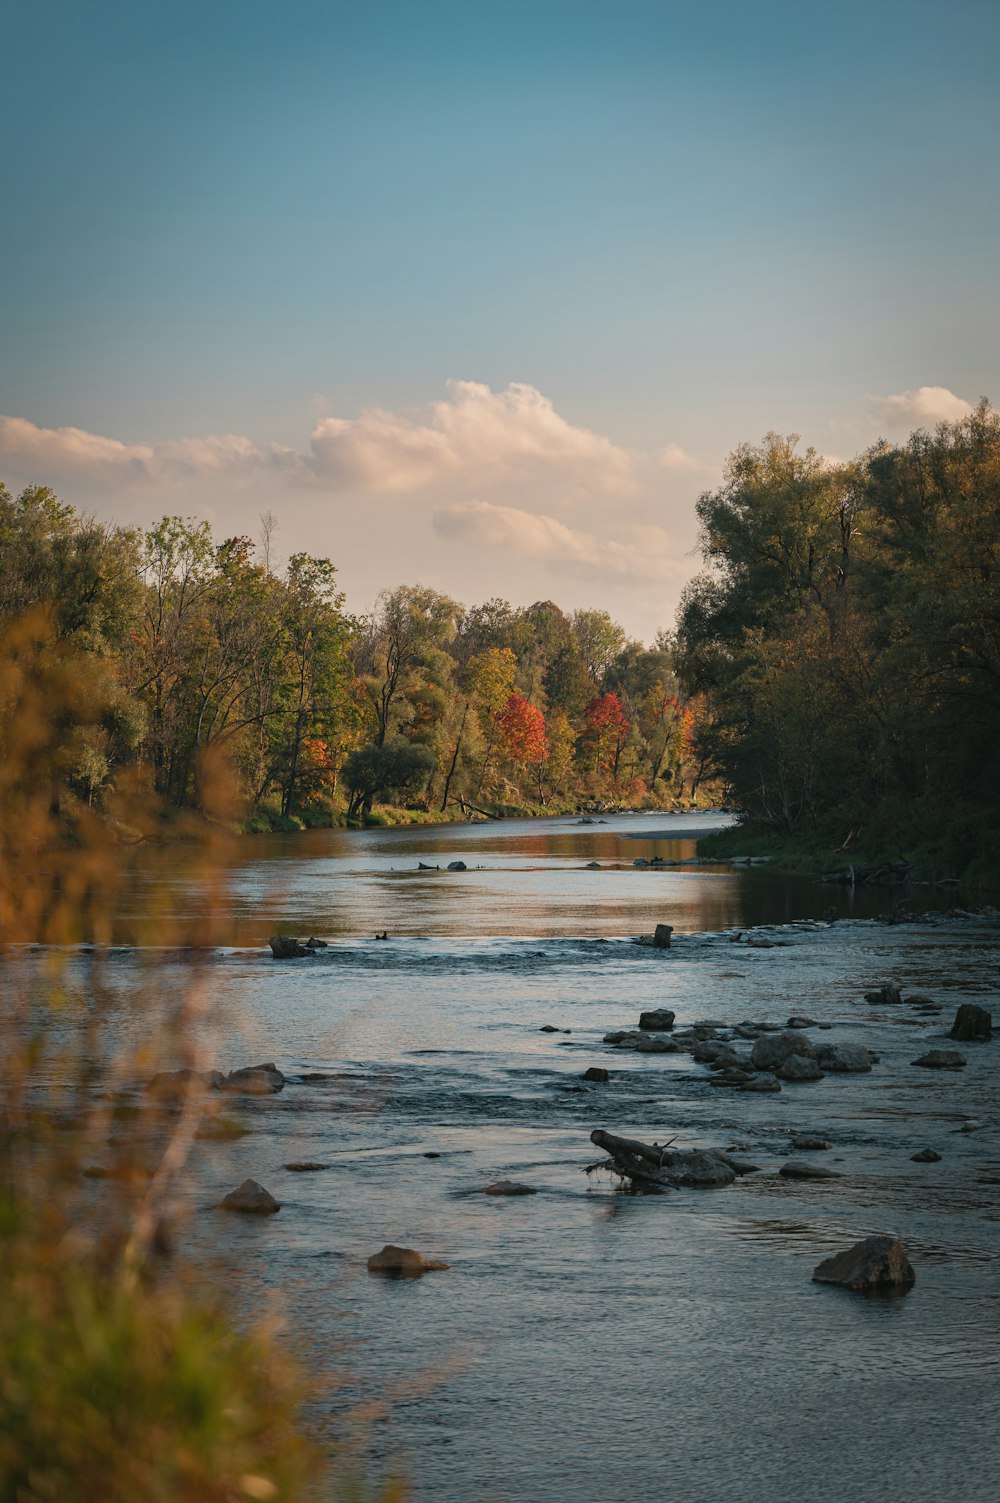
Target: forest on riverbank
point(845, 637)
point(204, 647)
point(834, 671)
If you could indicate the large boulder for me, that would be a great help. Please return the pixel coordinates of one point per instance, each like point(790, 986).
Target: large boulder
point(771, 1052)
point(941, 1059)
point(403, 1262)
point(658, 1020)
point(255, 1080)
point(597, 1073)
point(457, 866)
point(252, 1199)
point(284, 947)
point(847, 1058)
point(661, 936)
point(972, 1025)
point(875, 1263)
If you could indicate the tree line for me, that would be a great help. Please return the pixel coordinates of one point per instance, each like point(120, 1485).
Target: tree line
point(204, 647)
point(846, 636)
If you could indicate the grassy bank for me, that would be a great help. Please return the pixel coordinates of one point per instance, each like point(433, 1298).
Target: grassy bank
point(912, 854)
point(393, 816)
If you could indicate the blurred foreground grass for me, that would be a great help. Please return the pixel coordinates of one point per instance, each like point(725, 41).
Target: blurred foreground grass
point(123, 1378)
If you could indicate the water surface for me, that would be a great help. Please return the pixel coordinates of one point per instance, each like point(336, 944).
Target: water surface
point(586, 1345)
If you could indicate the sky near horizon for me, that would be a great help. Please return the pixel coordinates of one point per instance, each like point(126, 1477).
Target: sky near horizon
point(476, 295)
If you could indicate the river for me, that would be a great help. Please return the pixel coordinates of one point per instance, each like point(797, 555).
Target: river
point(587, 1345)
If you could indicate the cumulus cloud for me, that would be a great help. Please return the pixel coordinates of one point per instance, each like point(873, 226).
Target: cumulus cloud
point(473, 437)
point(924, 407)
point(474, 432)
point(531, 535)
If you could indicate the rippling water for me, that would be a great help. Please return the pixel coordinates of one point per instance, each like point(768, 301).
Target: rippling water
point(586, 1345)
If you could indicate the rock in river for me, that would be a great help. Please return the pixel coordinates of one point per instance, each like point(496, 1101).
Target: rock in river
point(403, 1262)
point(798, 1169)
point(847, 1058)
point(457, 866)
point(661, 936)
point(284, 947)
point(770, 1052)
point(596, 1072)
point(926, 1156)
point(972, 1025)
point(252, 1199)
point(799, 1067)
point(809, 1144)
point(875, 1263)
point(509, 1187)
point(659, 1020)
point(940, 1059)
point(255, 1080)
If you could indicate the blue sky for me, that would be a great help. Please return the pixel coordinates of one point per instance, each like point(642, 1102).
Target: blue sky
point(680, 226)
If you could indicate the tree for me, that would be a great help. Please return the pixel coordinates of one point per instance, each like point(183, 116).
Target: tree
point(397, 767)
point(607, 732)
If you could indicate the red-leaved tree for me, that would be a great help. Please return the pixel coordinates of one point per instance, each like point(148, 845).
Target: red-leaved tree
point(522, 730)
point(607, 731)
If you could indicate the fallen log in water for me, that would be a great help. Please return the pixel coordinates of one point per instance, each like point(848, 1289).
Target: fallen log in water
point(665, 1167)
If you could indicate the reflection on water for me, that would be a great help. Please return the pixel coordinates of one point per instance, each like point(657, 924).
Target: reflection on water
point(528, 877)
point(594, 1347)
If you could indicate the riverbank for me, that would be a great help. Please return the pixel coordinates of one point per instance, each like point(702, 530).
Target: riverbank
point(855, 861)
point(400, 816)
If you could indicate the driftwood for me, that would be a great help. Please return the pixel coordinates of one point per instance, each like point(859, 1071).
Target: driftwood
point(664, 1167)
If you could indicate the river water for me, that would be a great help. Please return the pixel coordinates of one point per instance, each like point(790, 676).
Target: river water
point(587, 1345)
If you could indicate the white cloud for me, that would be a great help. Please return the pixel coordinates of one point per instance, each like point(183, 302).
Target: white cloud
point(922, 408)
point(474, 432)
point(76, 454)
point(530, 535)
point(474, 437)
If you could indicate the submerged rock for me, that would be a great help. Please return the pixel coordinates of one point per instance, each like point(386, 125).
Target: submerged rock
point(305, 1166)
point(171, 1085)
point(972, 1024)
point(596, 1072)
point(762, 1083)
point(650, 1044)
point(509, 1187)
point(251, 1198)
point(809, 1144)
point(801, 1023)
point(312, 943)
point(941, 1059)
point(887, 995)
point(403, 1262)
point(799, 1169)
point(926, 1156)
point(875, 1263)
